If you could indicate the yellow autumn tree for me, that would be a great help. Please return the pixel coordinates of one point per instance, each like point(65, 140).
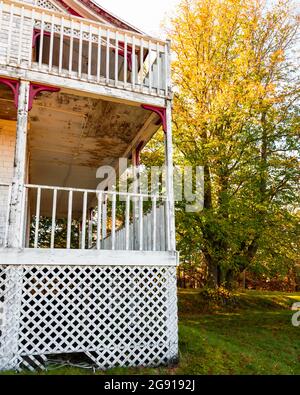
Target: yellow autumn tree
point(236, 112)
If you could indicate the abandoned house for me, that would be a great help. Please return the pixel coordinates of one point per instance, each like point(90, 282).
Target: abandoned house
point(83, 270)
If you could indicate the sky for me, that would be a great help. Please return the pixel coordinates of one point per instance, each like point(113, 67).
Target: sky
point(147, 16)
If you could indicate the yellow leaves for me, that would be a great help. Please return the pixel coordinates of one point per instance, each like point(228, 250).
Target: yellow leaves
point(277, 56)
point(228, 54)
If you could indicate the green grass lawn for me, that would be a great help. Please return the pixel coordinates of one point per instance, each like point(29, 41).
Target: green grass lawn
point(251, 335)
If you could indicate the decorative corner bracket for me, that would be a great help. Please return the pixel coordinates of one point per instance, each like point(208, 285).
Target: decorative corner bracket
point(35, 89)
point(161, 111)
point(14, 85)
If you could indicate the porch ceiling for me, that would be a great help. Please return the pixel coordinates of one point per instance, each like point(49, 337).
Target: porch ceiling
point(70, 137)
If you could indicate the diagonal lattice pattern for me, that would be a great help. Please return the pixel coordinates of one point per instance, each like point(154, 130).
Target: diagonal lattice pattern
point(117, 316)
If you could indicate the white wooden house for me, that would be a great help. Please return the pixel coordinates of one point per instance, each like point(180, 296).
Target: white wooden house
point(79, 89)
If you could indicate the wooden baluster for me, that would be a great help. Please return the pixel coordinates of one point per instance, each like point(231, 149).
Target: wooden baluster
point(37, 218)
point(41, 42)
point(10, 30)
point(83, 230)
point(51, 44)
point(167, 69)
point(99, 55)
point(30, 53)
point(90, 229)
point(90, 53)
point(61, 45)
point(99, 220)
point(133, 61)
point(142, 64)
point(154, 214)
point(71, 49)
point(127, 223)
point(158, 68)
point(80, 51)
point(104, 218)
point(107, 55)
point(150, 67)
point(20, 37)
point(69, 226)
point(141, 223)
point(113, 222)
point(116, 60)
point(125, 60)
point(53, 227)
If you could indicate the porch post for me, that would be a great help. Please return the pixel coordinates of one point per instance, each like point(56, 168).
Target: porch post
point(15, 229)
point(9, 345)
point(135, 200)
point(171, 236)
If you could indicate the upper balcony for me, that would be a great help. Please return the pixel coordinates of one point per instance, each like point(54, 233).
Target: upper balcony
point(53, 48)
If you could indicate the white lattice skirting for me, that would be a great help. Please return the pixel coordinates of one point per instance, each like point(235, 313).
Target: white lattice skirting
point(117, 316)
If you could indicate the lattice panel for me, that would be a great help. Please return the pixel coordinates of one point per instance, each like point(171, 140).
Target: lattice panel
point(48, 5)
point(118, 316)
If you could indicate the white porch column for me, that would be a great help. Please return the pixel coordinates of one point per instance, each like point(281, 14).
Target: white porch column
point(16, 216)
point(9, 346)
point(171, 236)
point(136, 190)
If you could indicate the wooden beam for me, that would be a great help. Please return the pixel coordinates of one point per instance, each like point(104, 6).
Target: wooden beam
point(87, 257)
point(83, 88)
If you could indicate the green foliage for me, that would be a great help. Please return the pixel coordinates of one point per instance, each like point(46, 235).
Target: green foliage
point(236, 113)
point(45, 227)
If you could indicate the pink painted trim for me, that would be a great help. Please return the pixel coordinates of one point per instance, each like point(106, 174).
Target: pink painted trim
point(121, 52)
point(14, 85)
point(36, 34)
point(69, 9)
point(35, 89)
point(161, 111)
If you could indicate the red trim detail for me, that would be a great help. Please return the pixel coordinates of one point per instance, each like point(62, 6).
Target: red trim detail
point(161, 111)
point(121, 52)
point(35, 89)
point(69, 9)
point(14, 85)
point(36, 34)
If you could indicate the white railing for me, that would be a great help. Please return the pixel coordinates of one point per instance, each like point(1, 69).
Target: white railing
point(5, 192)
point(70, 47)
point(73, 218)
point(154, 234)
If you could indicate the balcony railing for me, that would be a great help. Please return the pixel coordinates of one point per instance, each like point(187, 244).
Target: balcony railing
point(86, 219)
point(49, 42)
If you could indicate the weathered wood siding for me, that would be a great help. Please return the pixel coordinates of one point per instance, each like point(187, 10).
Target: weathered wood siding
point(15, 37)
